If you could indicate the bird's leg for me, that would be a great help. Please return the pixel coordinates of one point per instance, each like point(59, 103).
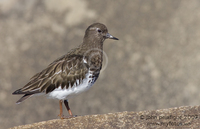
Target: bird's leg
point(68, 109)
point(61, 111)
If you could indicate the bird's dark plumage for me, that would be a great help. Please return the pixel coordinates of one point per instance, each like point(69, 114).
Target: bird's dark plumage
point(79, 68)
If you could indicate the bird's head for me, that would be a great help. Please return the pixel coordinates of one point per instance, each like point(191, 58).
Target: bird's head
point(98, 32)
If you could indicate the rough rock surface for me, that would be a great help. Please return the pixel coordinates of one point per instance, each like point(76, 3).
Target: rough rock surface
point(181, 117)
point(154, 65)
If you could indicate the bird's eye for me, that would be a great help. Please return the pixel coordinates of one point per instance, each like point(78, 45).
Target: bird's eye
point(99, 30)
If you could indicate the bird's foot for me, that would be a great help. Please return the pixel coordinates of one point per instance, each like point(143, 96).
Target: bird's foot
point(67, 117)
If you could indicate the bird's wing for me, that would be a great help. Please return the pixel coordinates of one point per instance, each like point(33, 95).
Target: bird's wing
point(65, 72)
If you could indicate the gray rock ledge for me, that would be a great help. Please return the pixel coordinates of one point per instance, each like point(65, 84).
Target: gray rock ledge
point(178, 117)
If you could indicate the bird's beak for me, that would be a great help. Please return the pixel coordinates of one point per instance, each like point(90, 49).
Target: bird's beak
point(109, 36)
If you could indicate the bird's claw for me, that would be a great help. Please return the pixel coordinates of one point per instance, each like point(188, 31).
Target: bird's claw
point(67, 117)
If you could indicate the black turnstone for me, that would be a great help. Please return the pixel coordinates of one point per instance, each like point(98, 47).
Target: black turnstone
point(72, 73)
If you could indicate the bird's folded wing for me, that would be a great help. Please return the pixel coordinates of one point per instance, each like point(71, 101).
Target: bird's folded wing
point(65, 72)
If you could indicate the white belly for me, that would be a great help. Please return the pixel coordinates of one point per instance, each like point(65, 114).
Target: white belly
point(64, 93)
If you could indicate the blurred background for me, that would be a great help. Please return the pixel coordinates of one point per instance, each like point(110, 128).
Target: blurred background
point(154, 65)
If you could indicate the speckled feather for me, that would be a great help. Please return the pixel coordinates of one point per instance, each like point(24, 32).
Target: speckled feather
point(79, 68)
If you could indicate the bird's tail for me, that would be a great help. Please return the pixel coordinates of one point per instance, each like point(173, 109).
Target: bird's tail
point(26, 96)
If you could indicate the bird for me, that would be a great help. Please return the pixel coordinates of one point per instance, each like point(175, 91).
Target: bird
point(72, 73)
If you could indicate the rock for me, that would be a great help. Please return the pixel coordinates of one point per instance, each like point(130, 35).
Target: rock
point(181, 117)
